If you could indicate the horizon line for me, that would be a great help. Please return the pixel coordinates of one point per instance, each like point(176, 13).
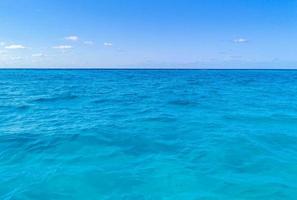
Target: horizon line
point(136, 68)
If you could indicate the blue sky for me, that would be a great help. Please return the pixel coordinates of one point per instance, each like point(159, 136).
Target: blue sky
point(149, 33)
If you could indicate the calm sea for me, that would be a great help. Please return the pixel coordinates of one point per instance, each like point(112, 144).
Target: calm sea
point(148, 134)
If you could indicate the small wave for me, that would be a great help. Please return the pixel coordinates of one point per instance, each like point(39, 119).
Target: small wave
point(23, 107)
point(159, 119)
point(273, 119)
point(57, 98)
point(100, 101)
point(18, 107)
point(182, 102)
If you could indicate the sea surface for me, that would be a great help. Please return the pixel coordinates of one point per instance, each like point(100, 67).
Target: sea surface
point(148, 134)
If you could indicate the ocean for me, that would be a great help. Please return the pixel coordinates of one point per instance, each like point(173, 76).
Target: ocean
point(148, 134)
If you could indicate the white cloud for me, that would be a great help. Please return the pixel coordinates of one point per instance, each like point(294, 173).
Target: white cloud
point(88, 42)
point(240, 40)
point(72, 38)
point(107, 44)
point(15, 58)
point(63, 47)
point(15, 46)
point(37, 55)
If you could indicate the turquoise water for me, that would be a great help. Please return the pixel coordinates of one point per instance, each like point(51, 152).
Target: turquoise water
point(148, 134)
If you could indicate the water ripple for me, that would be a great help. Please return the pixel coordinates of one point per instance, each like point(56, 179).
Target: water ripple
point(105, 134)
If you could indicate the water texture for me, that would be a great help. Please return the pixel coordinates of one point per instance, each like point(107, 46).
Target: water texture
point(148, 134)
